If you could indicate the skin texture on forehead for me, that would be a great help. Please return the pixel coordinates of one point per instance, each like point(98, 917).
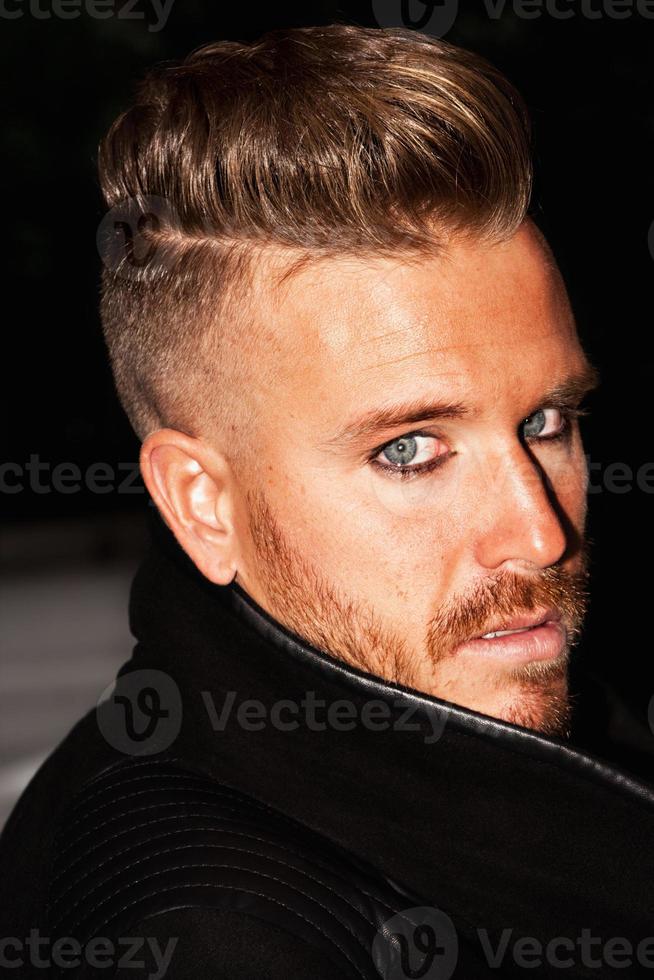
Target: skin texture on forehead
point(349, 320)
point(389, 574)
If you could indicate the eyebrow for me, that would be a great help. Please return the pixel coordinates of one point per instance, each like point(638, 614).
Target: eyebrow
point(567, 392)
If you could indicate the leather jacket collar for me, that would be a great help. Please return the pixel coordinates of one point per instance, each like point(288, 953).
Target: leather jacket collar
point(495, 824)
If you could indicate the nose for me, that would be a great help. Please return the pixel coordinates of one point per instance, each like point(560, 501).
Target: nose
point(520, 526)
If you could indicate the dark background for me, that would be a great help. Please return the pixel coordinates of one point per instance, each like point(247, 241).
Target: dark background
point(589, 82)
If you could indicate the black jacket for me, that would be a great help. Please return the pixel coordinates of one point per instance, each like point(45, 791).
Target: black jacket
point(335, 826)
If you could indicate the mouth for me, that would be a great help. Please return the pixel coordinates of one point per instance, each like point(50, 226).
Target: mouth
point(519, 639)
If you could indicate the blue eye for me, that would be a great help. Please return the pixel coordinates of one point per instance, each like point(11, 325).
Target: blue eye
point(425, 452)
point(542, 426)
point(401, 451)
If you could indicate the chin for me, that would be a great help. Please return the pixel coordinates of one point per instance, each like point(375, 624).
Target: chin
point(545, 709)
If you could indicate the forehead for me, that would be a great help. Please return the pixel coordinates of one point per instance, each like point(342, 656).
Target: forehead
point(477, 318)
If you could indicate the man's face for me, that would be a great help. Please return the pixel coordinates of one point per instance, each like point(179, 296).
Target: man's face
point(410, 493)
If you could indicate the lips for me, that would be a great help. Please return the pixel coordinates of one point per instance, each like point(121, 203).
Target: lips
point(518, 640)
point(524, 622)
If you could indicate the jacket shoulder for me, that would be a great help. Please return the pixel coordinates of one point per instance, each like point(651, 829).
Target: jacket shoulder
point(152, 842)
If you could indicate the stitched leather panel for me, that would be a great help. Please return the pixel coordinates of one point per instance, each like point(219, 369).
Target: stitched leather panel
point(146, 836)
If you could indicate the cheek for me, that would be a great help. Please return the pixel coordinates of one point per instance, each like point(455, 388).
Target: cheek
point(384, 540)
point(396, 568)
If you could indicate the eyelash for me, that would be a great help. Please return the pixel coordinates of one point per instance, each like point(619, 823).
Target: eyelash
point(408, 472)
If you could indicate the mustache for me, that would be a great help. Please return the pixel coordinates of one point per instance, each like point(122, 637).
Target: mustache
point(511, 594)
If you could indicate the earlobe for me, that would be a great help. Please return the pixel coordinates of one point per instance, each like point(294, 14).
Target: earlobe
point(192, 487)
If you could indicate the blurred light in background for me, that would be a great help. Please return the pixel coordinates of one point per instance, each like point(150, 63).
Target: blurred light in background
point(64, 606)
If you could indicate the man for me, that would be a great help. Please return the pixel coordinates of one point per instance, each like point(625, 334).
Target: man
point(339, 748)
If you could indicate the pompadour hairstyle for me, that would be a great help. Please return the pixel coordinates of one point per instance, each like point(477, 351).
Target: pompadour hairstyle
point(310, 142)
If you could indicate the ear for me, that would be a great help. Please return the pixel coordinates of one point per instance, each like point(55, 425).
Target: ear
point(193, 488)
